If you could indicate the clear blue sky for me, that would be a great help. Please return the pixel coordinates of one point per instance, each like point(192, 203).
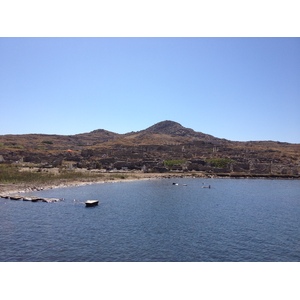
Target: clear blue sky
point(235, 88)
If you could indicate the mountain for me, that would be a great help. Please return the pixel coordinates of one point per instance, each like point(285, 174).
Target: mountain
point(163, 146)
point(171, 128)
point(175, 129)
point(165, 133)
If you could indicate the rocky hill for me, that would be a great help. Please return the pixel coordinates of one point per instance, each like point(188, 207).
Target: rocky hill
point(175, 129)
point(165, 146)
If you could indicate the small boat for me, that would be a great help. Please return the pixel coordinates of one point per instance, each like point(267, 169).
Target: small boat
point(89, 203)
point(174, 183)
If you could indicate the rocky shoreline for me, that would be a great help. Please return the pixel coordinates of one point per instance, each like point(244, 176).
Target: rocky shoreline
point(9, 189)
point(22, 188)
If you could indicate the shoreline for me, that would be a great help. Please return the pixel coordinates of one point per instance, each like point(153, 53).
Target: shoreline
point(21, 188)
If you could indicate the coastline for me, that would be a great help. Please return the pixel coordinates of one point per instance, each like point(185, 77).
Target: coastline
point(21, 188)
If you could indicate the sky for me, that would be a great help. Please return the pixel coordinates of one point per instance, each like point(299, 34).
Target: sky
point(235, 88)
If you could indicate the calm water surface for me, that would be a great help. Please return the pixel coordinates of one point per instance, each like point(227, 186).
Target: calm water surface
point(154, 220)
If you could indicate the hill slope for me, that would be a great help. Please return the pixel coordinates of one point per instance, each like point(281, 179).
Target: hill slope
point(164, 146)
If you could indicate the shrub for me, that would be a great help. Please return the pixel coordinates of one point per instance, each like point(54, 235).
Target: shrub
point(219, 162)
point(173, 162)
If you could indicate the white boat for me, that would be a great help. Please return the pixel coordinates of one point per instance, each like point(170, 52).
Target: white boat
point(91, 203)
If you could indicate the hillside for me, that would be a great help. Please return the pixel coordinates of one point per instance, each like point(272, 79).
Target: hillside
point(165, 146)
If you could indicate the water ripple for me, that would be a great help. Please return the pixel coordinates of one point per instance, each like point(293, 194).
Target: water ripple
point(236, 220)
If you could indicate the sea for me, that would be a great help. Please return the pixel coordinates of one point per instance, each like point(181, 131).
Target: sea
point(157, 220)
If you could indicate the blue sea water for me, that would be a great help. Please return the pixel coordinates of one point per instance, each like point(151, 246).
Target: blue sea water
point(153, 220)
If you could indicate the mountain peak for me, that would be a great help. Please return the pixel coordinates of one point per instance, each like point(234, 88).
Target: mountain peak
point(175, 129)
point(168, 127)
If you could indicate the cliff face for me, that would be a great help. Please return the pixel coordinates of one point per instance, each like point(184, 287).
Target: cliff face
point(162, 147)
